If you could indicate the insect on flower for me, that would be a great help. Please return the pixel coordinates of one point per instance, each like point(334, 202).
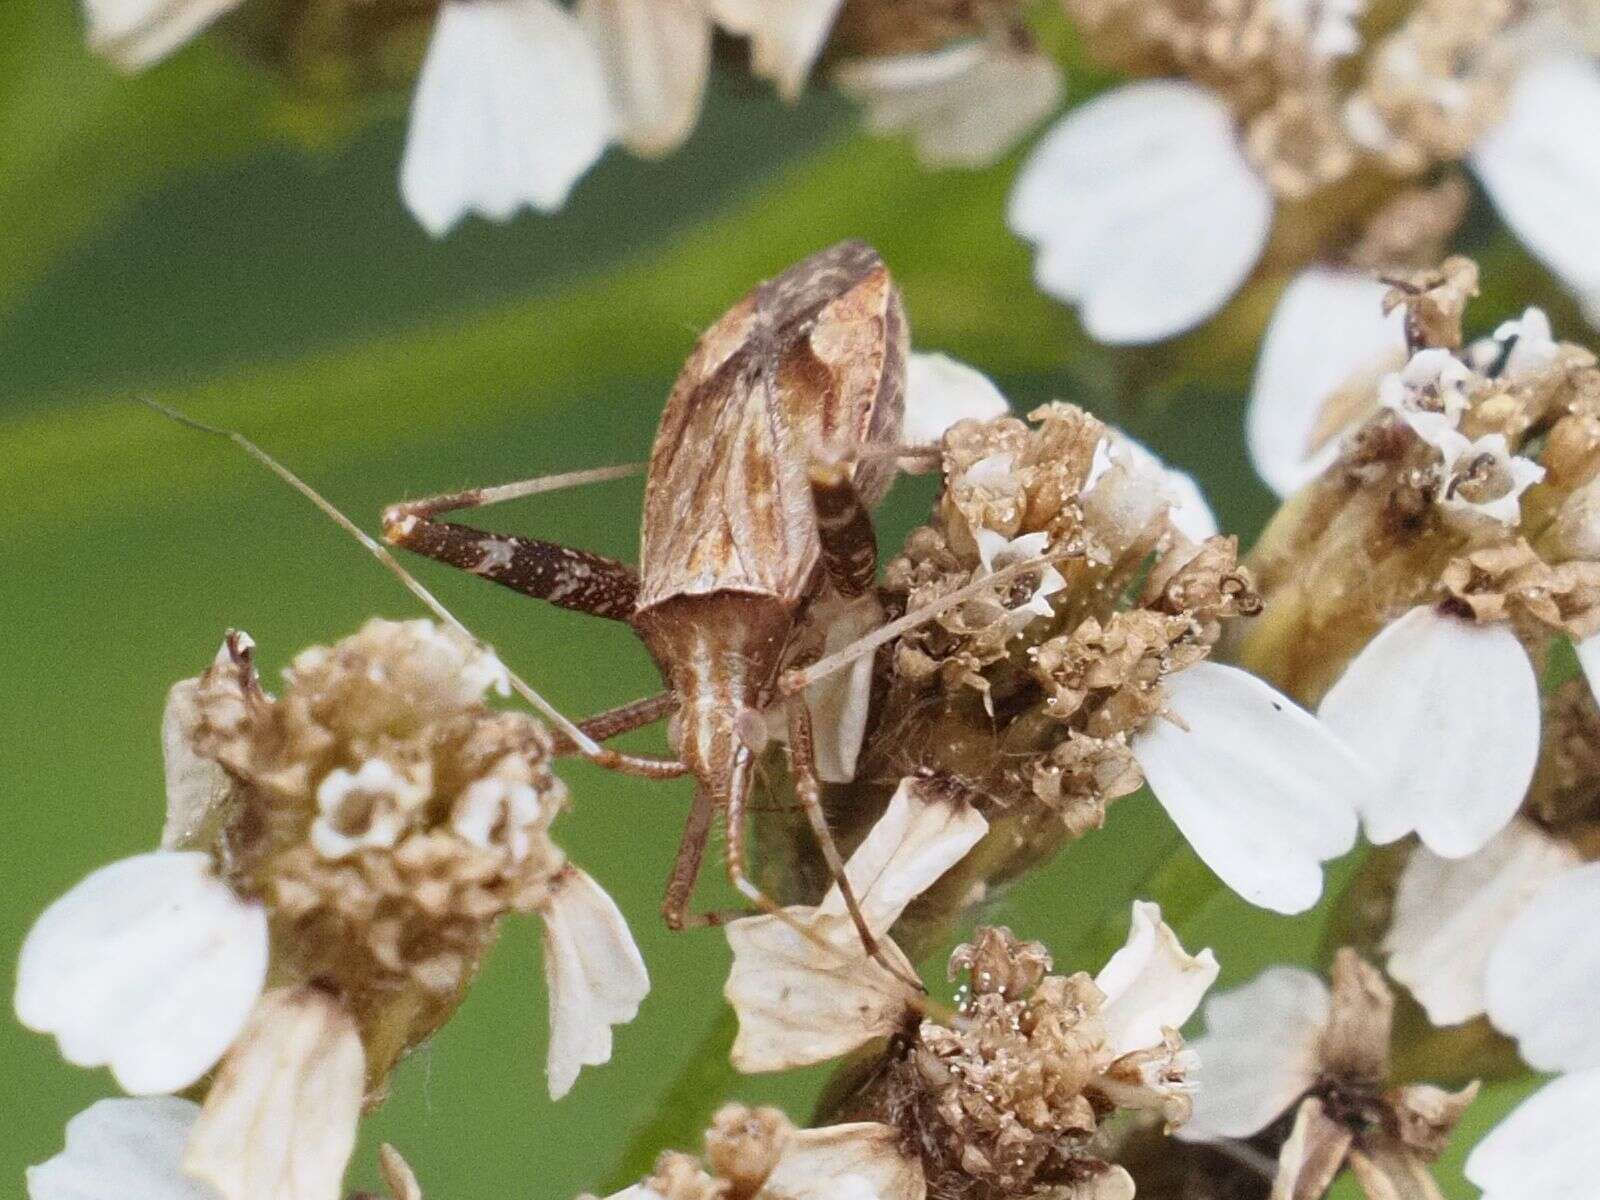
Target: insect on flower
point(782, 431)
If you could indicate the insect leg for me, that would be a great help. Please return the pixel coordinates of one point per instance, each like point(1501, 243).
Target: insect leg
point(686, 866)
point(636, 714)
point(809, 792)
point(628, 764)
point(798, 679)
point(844, 527)
point(574, 579)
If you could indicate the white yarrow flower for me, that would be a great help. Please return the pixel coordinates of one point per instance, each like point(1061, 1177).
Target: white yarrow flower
point(656, 55)
point(996, 551)
point(1259, 1054)
point(1539, 985)
point(1449, 914)
point(1546, 1148)
point(1151, 984)
point(941, 391)
point(121, 1150)
point(1327, 333)
point(1541, 167)
point(279, 1121)
point(858, 1161)
point(510, 109)
point(133, 34)
point(786, 36)
point(802, 1002)
point(150, 966)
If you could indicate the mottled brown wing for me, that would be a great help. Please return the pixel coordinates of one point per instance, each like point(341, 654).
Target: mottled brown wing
point(810, 362)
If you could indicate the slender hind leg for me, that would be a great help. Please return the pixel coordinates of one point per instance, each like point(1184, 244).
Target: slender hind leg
point(809, 792)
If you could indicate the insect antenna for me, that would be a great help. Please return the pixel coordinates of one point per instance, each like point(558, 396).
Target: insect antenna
point(586, 745)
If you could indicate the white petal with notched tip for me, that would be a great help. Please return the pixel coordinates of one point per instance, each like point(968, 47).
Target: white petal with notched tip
point(510, 110)
point(594, 972)
point(1151, 983)
point(1259, 1053)
point(785, 36)
point(123, 1150)
point(1262, 790)
point(656, 55)
point(1144, 210)
point(149, 966)
point(1444, 715)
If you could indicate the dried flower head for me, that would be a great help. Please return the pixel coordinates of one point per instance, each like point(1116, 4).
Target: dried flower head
point(351, 844)
point(1068, 686)
point(1010, 1098)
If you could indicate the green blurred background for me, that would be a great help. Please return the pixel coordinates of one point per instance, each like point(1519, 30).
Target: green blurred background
point(193, 235)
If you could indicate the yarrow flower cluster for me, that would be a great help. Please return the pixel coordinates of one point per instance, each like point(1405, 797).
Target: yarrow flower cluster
point(1074, 685)
point(1273, 128)
point(334, 866)
point(1067, 627)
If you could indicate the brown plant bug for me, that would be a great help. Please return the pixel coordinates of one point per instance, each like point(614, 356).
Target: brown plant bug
point(779, 435)
point(756, 504)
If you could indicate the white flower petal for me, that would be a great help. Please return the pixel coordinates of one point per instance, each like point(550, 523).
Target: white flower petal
point(785, 36)
point(1448, 914)
point(1541, 167)
point(123, 1150)
point(1259, 1053)
point(279, 1122)
point(510, 109)
point(1187, 508)
point(149, 966)
point(841, 703)
point(1540, 984)
point(1444, 715)
point(1151, 984)
point(921, 835)
point(656, 55)
point(1546, 1148)
point(861, 1159)
point(941, 391)
point(595, 974)
point(1264, 793)
point(1328, 331)
point(964, 105)
point(135, 33)
point(1144, 209)
point(801, 1002)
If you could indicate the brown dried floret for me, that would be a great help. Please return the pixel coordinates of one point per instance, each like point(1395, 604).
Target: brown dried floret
point(1510, 582)
point(1435, 300)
